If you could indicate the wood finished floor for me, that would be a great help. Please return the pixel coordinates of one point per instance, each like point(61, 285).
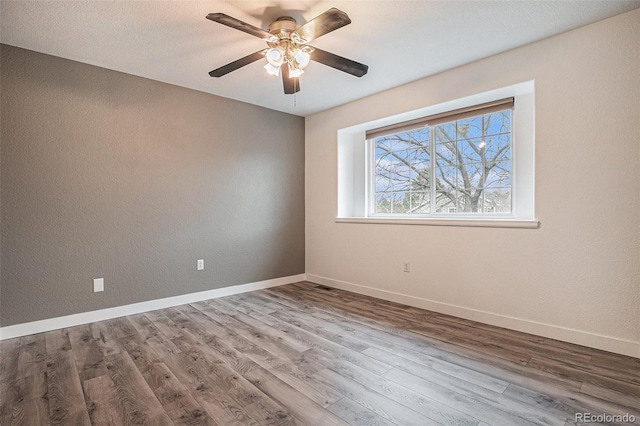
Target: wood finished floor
point(306, 354)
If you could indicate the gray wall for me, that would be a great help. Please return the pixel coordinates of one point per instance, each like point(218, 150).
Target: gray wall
point(104, 174)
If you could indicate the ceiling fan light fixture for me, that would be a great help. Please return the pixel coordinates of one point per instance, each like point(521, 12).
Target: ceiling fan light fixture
point(287, 47)
point(273, 70)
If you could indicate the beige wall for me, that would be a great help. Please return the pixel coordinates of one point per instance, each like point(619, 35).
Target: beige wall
point(109, 175)
point(576, 278)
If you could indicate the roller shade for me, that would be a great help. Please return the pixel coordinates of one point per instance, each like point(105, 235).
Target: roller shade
point(443, 117)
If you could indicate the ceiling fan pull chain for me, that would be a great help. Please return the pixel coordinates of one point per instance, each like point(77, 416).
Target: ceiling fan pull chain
point(295, 100)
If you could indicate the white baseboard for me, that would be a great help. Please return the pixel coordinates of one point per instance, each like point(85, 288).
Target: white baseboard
point(579, 337)
point(606, 343)
point(34, 327)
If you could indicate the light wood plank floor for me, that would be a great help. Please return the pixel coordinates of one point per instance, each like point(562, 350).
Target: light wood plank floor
point(306, 354)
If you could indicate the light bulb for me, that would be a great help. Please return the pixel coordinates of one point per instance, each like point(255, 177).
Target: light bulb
point(295, 72)
point(272, 69)
point(302, 58)
point(275, 56)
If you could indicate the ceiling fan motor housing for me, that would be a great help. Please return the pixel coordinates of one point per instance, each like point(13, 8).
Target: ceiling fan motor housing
point(283, 27)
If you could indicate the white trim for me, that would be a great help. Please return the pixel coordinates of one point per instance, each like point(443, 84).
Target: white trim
point(34, 327)
point(579, 337)
point(483, 223)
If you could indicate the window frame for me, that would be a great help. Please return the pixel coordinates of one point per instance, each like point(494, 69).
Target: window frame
point(470, 111)
point(353, 195)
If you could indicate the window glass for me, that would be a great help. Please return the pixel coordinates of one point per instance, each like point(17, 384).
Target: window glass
point(454, 168)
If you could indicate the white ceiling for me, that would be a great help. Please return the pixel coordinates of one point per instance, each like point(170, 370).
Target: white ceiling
point(401, 41)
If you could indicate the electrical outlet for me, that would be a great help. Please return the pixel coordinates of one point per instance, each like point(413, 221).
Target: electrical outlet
point(406, 266)
point(98, 285)
point(200, 264)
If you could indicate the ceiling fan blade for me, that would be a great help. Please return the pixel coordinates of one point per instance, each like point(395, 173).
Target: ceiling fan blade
point(329, 21)
point(291, 85)
point(226, 69)
point(227, 20)
point(339, 63)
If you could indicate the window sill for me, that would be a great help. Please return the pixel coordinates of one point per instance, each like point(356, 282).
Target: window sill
point(482, 223)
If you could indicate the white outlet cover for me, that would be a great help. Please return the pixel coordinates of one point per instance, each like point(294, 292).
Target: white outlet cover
point(200, 264)
point(98, 285)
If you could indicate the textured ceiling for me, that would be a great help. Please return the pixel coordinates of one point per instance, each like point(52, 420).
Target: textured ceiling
point(401, 41)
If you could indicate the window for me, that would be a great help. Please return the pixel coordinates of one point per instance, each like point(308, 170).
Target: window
point(462, 162)
point(454, 163)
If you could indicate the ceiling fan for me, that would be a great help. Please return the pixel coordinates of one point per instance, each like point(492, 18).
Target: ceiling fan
point(288, 52)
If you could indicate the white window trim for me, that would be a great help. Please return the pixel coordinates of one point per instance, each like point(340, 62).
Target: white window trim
point(354, 168)
point(476, 223)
